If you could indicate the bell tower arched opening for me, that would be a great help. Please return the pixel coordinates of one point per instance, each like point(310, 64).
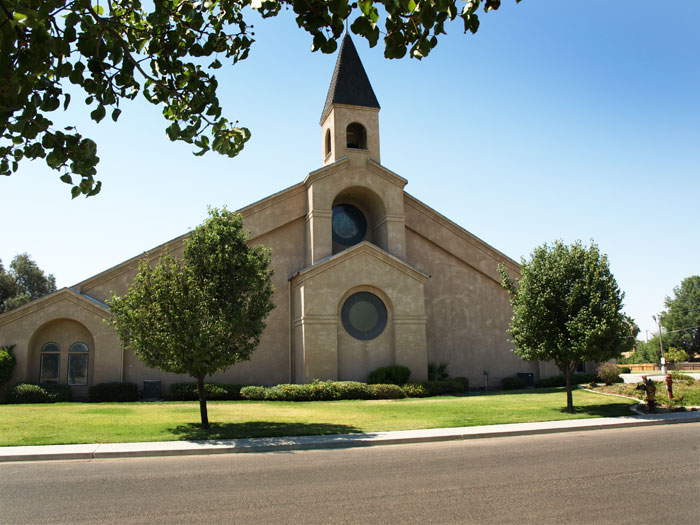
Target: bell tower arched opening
point(359, 215)
point(356, 136)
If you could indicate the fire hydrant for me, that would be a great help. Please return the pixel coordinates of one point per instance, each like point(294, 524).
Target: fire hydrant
point(669, 386)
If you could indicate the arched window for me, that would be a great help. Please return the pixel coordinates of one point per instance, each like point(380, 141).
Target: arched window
point(327, 150)
point(50, 363)
point(78, 364)
point(356, 136)
point(364, 316)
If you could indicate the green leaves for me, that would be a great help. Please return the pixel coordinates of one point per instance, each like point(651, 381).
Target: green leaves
point(117, 50)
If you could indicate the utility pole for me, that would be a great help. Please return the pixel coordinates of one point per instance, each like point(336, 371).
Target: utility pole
point(661, 343)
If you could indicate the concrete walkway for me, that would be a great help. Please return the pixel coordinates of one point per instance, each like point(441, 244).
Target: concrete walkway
point(182, 448)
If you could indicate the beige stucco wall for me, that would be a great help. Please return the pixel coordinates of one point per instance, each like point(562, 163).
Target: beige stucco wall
point(323, 348)
point(467, 309)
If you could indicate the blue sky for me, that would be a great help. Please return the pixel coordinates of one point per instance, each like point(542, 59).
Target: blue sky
point(557, 120)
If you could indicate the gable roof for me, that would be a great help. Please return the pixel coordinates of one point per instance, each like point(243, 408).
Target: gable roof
point(349, 84)
point(69, 294)
point(361, 248)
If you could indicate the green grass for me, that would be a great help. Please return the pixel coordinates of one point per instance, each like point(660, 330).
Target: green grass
point(64, 423)
point(684, 395)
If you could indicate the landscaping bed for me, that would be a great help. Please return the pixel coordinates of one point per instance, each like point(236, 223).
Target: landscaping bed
point(686, 392)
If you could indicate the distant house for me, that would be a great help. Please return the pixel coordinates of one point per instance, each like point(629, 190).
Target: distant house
point(365, 274)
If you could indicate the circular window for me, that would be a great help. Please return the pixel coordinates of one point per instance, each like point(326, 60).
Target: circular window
point(349, 225)
point(364, 316)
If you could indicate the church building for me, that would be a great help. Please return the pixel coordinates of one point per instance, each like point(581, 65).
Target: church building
point(365, 276)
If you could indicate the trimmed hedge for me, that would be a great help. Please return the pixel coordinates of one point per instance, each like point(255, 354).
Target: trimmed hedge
point(624, 369)
point(389, 375)
point(114, 392)
point(213, 391)
point(334, 390)
point(322, 391)
point(512, 383)
point(32, 393)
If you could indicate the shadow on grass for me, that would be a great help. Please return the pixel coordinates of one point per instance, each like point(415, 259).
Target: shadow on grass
point(608, 410)
point(256, 429)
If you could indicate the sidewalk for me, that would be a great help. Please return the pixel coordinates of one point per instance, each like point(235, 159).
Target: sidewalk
point(184, 448)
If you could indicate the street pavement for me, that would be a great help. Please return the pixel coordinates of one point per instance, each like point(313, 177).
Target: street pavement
point(277, 444)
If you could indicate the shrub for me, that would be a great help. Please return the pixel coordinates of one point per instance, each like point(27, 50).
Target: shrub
point(386, 391)
point(115, 392)
point(438, 372)
point(7, 363)
point(464, 381)
point(415, 390)
point(353, 390)
point(213, 392)
point(512, 383)
point(441, 388)
point(608, 373)
point(393, 374)
point(41, 393)
point(625, 369)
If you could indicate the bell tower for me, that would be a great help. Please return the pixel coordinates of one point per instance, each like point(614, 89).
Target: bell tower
point(350, 118)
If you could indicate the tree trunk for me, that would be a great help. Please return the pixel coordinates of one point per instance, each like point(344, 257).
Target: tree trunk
point(569, 395)
point(202, 402)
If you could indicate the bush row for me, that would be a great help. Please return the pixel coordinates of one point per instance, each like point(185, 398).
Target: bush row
point(334, 390)
point(41, 393)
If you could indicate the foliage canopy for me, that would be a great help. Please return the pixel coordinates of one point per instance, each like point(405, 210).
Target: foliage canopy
point(201, 314)
point(567, 308)
point(682, 317)
point(168, 51)
point(24, 282)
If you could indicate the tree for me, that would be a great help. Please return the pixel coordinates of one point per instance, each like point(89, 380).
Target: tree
point(567, 308)
point(168, 52)
point(23, 283)
point(682, 316)
point(203, 313)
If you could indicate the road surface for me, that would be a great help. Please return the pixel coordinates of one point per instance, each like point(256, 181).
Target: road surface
point(638, 475)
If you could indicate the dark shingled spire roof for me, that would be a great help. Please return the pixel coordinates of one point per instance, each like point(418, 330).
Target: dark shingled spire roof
point(349, 84)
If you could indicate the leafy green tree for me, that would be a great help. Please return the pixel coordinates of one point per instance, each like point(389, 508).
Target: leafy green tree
point(682, 316)
point(567, 308)
point(203, 313)
point(676, 355)
point(23, 283)
point(167, 51)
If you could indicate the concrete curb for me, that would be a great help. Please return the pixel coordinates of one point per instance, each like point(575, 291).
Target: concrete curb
point(288, 444)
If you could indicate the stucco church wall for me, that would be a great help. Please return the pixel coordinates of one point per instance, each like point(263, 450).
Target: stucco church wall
point(468, 311)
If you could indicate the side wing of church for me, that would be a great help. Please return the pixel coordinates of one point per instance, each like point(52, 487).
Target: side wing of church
point(365, 276)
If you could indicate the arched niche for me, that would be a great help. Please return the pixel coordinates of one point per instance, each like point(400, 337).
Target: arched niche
point(63, 351)
point(359, 214)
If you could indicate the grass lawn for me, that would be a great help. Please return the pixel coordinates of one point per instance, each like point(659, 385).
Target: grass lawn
point(63, 423)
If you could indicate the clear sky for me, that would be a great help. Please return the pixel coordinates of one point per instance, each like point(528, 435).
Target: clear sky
point(557, 120)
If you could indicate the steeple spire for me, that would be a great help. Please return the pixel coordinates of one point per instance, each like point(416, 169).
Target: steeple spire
point(349, 84)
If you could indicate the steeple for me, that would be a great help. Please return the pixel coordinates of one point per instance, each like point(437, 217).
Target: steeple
point(350, 118)
point(349, 84)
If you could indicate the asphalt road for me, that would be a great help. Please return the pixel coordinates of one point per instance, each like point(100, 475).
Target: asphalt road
point(638, 475)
